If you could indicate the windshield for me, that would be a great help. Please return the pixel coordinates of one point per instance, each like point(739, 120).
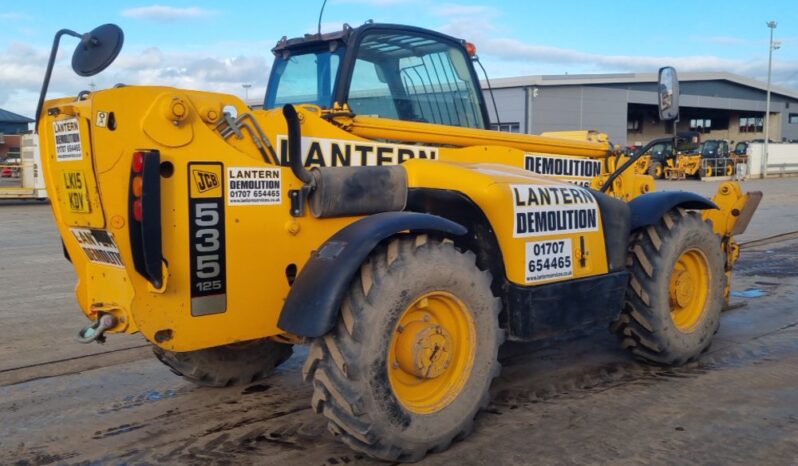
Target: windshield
point(659, 149)
point(740, 148)
point(709, 147)
point(306, 78)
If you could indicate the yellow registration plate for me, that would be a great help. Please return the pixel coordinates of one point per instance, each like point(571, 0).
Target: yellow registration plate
point(77, 197)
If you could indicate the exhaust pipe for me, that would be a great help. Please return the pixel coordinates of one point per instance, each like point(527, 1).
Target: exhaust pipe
point(295, 146)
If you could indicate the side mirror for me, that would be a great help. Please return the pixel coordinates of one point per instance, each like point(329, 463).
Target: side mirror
point(668, 94)
point(97, 50)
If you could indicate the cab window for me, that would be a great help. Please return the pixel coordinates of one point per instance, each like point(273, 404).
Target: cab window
point(415, 78)
point(306, 78)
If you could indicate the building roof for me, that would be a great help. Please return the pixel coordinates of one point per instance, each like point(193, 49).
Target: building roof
point(11, 117)
point(623, 78)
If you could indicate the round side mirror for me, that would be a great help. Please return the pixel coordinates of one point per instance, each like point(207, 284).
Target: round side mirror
point(97, 49)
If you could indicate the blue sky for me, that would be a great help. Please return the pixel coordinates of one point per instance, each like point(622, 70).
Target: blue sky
point(221, 45)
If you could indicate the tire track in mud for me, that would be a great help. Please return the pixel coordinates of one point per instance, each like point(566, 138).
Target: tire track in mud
point(73, 365)
point(276, 421)
point(272, 421)
point(773, 345)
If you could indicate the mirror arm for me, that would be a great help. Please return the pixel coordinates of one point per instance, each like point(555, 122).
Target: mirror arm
point(49, 72)
point(620, 170)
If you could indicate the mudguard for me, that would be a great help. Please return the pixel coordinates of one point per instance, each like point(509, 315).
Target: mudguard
point(649, 208)
point(312, 306)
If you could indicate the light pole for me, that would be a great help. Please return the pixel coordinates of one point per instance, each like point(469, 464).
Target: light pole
point(771, 47)
point(246, 91)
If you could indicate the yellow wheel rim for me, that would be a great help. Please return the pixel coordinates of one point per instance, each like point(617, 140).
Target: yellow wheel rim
point(688, 289)
point(729, 170)
point(709, 171)
point(432, 352)
point(658, 170)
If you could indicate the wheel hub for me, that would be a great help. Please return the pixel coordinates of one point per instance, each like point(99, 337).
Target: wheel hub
point(683, 289)
point(431, 352)
point(689, 289)
point(424, 349)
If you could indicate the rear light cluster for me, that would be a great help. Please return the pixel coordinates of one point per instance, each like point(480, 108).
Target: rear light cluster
point(145, 215)
point(136, 185)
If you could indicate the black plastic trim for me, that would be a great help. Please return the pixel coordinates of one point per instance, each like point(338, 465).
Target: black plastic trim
point(649, 208)
point(311, 308)
point(145, 236)
point(544, 311)
point(616, 225)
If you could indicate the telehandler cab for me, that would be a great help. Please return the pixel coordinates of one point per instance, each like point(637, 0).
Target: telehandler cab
point(367, 211)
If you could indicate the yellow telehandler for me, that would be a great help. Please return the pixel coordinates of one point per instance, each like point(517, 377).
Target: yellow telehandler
point(367, 211)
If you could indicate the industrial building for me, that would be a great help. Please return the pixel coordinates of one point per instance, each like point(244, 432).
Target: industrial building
point(718, 104)
point(12, 126)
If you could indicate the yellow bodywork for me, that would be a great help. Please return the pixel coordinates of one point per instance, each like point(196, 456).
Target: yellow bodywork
point(265, 242)
point(686, 165)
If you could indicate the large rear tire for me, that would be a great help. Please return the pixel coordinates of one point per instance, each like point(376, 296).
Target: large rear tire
point(229, 365)
point(410, 362)
point(675, 295)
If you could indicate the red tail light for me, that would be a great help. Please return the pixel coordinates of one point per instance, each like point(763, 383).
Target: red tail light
point(138, 211)
point(138, 161)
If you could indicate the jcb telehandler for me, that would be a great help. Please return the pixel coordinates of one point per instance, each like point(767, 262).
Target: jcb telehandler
point(367, 211)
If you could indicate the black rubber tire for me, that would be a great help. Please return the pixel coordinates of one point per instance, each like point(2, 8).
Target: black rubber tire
point(652, 170)
point(348, 366)
point(645, 326)
point(229, 365)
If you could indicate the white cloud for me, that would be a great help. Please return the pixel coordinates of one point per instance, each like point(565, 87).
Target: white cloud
point(512, 57)
point(167, 13)
point(22, 69)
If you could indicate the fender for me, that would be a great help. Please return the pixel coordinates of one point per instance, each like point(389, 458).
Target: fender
point(312, 306)
point(649, 208)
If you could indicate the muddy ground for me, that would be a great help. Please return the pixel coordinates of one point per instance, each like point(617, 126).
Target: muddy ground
point(559, 402)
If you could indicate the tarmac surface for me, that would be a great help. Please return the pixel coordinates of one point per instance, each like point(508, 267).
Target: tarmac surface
point(573, 402)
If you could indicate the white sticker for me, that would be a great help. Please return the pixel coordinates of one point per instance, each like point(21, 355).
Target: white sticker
point(573, 170)
point(99, 246)
point(254, 186)
point(542, 210)
point(549, 260)
point(102, 119)
point(322, 152)
point(67, 140)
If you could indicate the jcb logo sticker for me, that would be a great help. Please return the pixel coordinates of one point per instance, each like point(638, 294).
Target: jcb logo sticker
point(206, 180)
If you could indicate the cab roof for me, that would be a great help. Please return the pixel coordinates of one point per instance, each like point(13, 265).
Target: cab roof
point(313, 41)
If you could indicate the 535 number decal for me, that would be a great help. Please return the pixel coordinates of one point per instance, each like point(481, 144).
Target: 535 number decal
point(207, 239)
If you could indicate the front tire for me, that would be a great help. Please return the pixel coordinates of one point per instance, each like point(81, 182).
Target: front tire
point(657, 170)
point(675, 296)
point(229, 365)
point(411, 360)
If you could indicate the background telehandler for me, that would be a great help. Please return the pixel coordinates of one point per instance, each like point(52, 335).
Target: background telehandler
point(368, 212)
